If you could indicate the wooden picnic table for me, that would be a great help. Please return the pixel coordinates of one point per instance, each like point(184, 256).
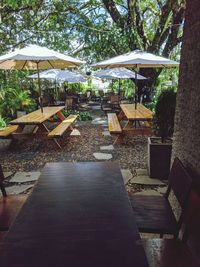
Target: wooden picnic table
point(140, 114)
point(78, 215)
point(137, 119)
point(37, 117)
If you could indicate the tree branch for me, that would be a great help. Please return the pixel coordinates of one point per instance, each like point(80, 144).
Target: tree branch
point(165, 13)
point(114, 13)
point(173, 38)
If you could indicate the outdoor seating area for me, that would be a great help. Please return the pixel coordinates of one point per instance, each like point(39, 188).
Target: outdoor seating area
point(99, 160)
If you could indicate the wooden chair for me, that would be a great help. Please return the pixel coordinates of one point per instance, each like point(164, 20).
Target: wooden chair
point(175, 252)
point(154, 213)
point(114, 100)
point(1, 182)
point(69, 103)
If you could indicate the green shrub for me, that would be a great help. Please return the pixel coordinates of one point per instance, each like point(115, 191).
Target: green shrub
point(13, 99)
point(82, 115)
point(3, 123)
point(163, 119)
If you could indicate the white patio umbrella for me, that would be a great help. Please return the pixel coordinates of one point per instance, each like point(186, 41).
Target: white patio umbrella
point(118, 73)
point(37, 57)
point(59, 76)
point(137, 59)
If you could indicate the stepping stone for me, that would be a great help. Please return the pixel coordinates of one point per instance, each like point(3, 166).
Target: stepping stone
point(22, 177)
point(141, 172)
point(100, 121)
point(7, 174)
point(106, 133)
point(75, 132)
point(148, 193)
point(144, 179)
point(110, 147)
point(17, 189)
point(103, 156)
point(162, 190)
point(126, 174)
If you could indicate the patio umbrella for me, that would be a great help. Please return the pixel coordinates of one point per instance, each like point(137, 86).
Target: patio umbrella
point(37, 57)
point(137, 59)
point(59, 76)
point(119, 73)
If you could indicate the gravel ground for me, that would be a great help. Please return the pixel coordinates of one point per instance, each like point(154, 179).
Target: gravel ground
point(32, 155)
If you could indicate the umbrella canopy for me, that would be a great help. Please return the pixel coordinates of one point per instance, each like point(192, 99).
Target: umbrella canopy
point(59, 76)
point(118, 73)
point(136, 59)
point(37, 57)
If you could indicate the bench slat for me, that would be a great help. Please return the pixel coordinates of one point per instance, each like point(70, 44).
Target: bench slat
point(8, 131)
point(113, 123)
point(62, 127)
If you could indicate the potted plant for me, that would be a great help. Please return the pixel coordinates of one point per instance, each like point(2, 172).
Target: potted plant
point(160, 147)
point(22, 102)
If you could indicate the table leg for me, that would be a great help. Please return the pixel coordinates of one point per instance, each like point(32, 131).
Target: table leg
point(128, 125)
point(61, 116)
point(43, 128)
point(120, 115)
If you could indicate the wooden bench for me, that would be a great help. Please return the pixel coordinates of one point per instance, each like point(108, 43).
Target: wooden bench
point(5, 133)
point(113, 124)
point(62, 127)
point(114, 127)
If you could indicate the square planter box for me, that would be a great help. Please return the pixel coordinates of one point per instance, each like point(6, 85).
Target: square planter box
point(159, 158)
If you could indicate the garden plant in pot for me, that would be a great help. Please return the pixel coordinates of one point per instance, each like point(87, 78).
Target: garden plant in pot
point(160, 147)
point(23, 102)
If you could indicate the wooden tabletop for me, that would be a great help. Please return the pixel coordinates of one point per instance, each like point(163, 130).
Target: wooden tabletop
point(37, 117)
point(78, 215)
point(141, 113)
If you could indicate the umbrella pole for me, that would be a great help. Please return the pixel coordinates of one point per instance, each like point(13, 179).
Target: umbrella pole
point(119, 88)
point(136, 89)
point(39, 87)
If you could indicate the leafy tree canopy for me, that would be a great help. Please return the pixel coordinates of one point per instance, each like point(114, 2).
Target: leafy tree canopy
point(93, 29)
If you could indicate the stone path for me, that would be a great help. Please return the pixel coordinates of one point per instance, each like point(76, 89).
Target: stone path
point(102, 156)
point(127, 175)
point(75, 132)
point(23, 177)
point(106, 133)
point(100, 121)
point(7, 174)
point(148, 192)
point(109, 147)
point(17, 189)
point(143, 178)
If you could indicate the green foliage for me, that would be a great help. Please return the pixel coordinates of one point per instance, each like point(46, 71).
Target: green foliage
point(82, 115)
point(152, 104)
point(12, 99)
point(94, 30)
point(164, 114)
point(3, 123)
point(127, 86)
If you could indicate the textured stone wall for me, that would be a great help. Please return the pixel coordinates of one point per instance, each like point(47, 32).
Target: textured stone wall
point(187, 119)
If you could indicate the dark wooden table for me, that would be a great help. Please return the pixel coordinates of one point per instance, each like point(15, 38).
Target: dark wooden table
point(78, 215)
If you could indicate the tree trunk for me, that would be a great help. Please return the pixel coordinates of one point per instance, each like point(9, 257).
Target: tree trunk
point(187, 119)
